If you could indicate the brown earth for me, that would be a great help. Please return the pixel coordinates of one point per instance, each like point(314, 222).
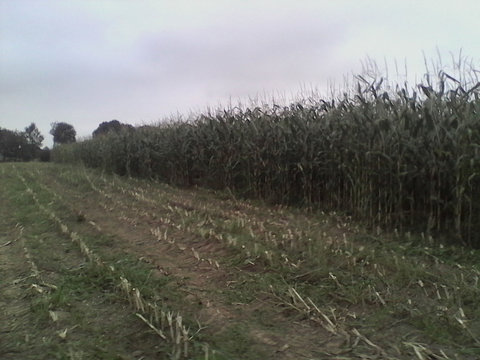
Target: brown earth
point(128, 220)
point(36, 265)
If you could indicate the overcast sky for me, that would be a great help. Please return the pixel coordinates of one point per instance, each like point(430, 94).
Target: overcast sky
point(88, 61)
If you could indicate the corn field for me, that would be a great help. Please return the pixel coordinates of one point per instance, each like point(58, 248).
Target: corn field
point(398, 158)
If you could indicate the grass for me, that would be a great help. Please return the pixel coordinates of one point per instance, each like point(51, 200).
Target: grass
point(309, 283)
point(55, 289)
point(235, 340)
point(80, 290)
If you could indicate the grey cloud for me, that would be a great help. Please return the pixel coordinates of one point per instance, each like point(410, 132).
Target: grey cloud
point(258, 52)
point(86, 62)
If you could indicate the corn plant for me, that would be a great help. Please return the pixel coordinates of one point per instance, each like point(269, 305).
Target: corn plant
point(397, 157)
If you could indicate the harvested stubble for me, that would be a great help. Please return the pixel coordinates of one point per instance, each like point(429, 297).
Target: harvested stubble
point(179, 334)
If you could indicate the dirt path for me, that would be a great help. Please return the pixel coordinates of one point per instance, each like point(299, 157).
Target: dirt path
point(262, 327)
point(54, 304)
point(15, 332)
point(249, 281)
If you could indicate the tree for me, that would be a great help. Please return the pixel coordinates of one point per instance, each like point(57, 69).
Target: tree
point(14, 146)
point(33, 135)
point(20, 146)
point(110, 126)
point(63, 133)
point(44, 154)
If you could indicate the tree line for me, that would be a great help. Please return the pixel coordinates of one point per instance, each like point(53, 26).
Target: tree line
point(22, 145)
point(26, 145)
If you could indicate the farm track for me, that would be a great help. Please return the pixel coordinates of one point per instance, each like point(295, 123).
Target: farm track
point(49, 308)
point(268, 282)
point(129, 221)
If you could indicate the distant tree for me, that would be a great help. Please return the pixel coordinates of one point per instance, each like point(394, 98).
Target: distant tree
point(33, 135)
point(110, 126)
point(63, 133)
point(34, 140)
point(44, 154)
point(14, 146)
